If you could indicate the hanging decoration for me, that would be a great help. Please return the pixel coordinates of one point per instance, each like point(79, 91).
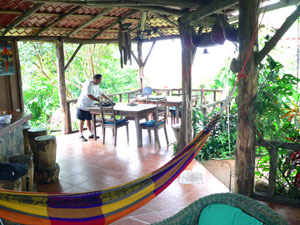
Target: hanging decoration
point(220, 32)
point(124, 43)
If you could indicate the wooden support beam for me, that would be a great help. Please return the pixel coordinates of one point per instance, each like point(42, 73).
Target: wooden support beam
point(96, 17)
point(59, 15)
point(163, 10)
point(273, 171)
point(187, 61)
point(247, 89)
point(268, 8)
point(59, 19)
point(135, 58)
point(114, 23)
point(216, 5)
point(165, 18)
point(62, 86)
point(143, 19)
point(279, 33)
point(20, 19)
point(141, 64)
point(155, 6)
point(149, 53)
point(73, 56)
point(78, 40)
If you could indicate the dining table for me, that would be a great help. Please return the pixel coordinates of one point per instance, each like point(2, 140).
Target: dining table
point(175, 101)
point(130, 110)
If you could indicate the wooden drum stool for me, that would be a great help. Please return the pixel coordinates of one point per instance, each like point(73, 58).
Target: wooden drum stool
point(27, 148)
point(27, 185)
point(47, 167)
point(32, 134)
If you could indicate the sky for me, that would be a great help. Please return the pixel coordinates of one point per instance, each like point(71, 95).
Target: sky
point(163, 69)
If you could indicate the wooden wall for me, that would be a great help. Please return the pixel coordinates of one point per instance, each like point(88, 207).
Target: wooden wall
point(11, 97)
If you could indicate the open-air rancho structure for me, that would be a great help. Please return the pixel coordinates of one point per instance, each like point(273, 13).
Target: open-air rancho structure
point(198, 23)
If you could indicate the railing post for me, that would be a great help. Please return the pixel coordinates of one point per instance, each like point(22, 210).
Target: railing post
point(273, 171)
point(215, 96)
point(69, 118)
point(120, 97)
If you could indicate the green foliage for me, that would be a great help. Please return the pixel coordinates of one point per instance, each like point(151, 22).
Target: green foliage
point(287, 175)
point(276, 107)
point(39, 75)
point(276, 92)
point(221, 143)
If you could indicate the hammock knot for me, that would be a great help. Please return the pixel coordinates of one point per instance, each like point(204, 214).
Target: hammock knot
point(241, 75)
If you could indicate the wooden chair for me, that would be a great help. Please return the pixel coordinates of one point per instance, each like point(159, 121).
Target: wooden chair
point(173, 109)
point(109, 120)
point(142, 97)
point(160, 120)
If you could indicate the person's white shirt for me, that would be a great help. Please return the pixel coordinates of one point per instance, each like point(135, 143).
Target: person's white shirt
point(89, 88)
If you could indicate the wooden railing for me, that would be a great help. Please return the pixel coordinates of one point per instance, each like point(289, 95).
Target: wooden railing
point(203, 93)
point(272, 146)
point(126, 96)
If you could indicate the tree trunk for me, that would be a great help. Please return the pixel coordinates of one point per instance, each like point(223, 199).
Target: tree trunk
point(187, 57)
point(245, 146)
point(62, 85)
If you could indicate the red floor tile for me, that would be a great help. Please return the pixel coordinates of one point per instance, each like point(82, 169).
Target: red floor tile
point(89, 166)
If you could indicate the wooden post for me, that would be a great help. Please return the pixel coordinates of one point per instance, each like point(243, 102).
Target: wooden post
point(62, 85)
point(245, 144)
point(141, 64)
point(69, 120)
point(273, 171)
point(187, 61)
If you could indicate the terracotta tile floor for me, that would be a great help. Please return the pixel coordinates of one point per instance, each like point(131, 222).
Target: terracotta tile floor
point(88, 166)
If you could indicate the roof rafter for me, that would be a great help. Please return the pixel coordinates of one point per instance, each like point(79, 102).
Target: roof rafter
point(130, 3)
point(114, 23)
point(109, 4)
point(57, 14)
point(60, 18)
point(96, 17)
point(22, 18)
point(216, 5)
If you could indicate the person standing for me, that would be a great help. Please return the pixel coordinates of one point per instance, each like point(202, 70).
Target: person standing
point(90, 93)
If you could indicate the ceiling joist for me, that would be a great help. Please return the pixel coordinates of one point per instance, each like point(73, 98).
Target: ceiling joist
point(194, 17)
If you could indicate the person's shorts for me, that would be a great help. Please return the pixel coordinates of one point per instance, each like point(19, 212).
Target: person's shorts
point(83, 115)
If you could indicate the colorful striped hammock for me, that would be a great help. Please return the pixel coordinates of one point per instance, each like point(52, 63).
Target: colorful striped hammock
point(103, 206)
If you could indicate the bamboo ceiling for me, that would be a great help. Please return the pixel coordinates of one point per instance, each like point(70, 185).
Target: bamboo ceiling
point(94, 21)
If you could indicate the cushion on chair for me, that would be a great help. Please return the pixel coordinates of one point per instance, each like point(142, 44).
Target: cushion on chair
point(150, 123)
point(222, 214)
point(12, 171)
point(118, 122)
point(172, 110)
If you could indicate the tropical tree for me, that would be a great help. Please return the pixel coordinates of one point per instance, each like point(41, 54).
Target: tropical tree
point(39, 75)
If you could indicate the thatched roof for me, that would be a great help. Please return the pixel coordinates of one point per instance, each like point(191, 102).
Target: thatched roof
point(98, 20)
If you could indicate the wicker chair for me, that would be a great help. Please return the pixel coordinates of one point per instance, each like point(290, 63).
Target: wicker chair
point(191, 214)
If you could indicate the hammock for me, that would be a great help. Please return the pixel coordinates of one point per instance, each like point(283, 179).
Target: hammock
point(98, 207)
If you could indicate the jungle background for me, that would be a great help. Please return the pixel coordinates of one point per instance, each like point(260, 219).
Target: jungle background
point(277, 101)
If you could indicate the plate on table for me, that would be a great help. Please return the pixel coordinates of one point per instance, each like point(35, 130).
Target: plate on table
point(132, 104)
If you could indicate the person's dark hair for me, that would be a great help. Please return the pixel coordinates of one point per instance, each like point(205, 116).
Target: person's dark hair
point(97, 76)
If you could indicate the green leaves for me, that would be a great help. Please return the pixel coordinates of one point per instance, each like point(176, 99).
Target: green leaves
point(221, 143)
point(39, 75)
